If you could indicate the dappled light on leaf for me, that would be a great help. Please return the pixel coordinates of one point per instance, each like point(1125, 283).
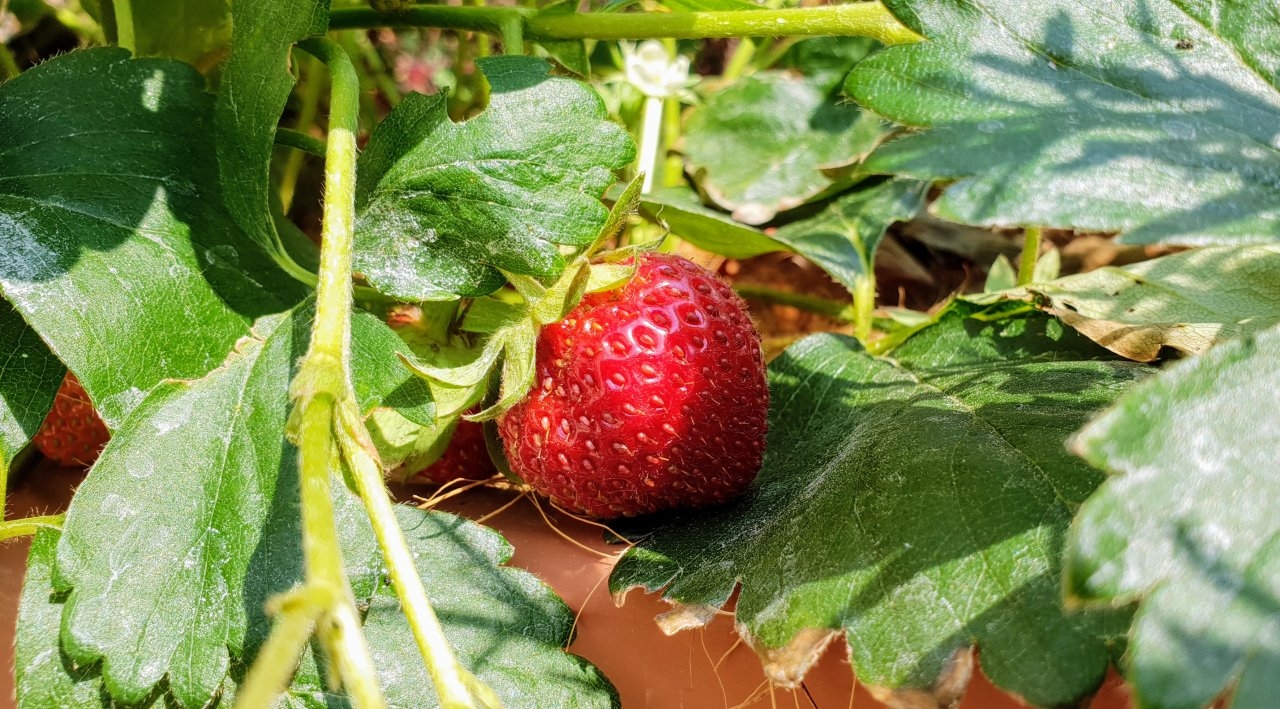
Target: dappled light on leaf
point(1120, 116)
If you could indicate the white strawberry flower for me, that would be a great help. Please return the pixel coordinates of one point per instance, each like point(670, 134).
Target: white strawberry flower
point(651, 68)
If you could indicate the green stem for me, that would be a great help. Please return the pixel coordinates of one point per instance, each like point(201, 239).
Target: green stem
point(512, 33)
point(673, 165)
point(291, 628)
point(1030, 253)
point(739, 60)
point(311, 90)
point(456, 688)
point(332, 333)
point(25, 527)
point(864, 306)
point(8, 64)
point(869, 19)
point(323, 388)
point(298, 140)
point(829, 308)
point(323, 380)
point(650, 142)
point(72, 16)
point(124, 25)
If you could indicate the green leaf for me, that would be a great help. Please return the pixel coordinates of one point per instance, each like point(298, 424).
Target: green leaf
point(116, 245)
point(715, 231)
point(157, 581)
point(1188, 526)
point(1189, 301)
point(916, 503)
point(826, 60)
point(1128, 116)
point(487, 315)
point(441, 206)
point(843, 238)
point(45, 677)
point(759, 146)
point(29, 379)
point(379, 378)
point(171, 587)
point(256, 82)
point(563, 295)
point(1001, 276)
point(506, 625)
point(194, 31)
point(406, 447)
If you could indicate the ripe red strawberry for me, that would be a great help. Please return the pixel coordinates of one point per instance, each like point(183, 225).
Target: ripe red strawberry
point(466, 458)
point(648, 397)
point(72, 433)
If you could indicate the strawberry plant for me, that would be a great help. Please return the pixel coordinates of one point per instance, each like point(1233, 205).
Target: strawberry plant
point(294, 250)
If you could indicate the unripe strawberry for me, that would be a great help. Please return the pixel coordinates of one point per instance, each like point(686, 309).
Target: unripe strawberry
point(72, 433)
point(648, 397)
point(466, 458)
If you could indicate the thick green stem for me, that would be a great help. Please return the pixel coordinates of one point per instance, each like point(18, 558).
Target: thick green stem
point(322, 381)
point(512, 33)
point(869, 19)
point(124, 25)
point(291, 628)
point(455, 686)
point(864, 306)
point(25, 527)
point(323, 387)
point(332, 333)
point(1030, 253)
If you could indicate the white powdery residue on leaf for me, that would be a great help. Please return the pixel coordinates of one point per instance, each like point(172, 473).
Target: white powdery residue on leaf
point(126, 400)
point(22, 257)
point(173, 416)
point(117, 506)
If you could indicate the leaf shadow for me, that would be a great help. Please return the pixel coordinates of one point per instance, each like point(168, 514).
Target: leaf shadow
point(1156, 119)
point(124, 170)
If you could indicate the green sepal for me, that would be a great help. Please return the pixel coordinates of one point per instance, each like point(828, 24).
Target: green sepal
point(607, 276)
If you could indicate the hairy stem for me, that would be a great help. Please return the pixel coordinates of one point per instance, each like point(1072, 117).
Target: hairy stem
point(25, 527)
point(1030, 253)
point(323, 387)
point(455, 686)
point(290, 630)
point(869, 19)
point(332, 333)
point(323, 380)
